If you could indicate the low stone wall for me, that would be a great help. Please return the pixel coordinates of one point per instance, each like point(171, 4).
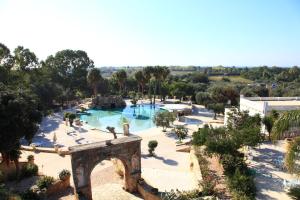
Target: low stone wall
point(194, 165)
point(60, 151)
point(148, 192)
point(58, 186)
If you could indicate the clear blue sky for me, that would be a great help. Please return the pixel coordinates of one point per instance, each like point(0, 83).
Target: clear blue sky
point(158, 32)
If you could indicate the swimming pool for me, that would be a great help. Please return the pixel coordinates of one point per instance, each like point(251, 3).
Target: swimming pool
point(139, 117)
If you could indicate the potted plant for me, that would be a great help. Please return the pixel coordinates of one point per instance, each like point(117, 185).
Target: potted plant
point(30, 159)
point(65, 175)
point(152, 144)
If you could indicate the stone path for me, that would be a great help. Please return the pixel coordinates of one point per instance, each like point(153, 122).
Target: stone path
point(269, 178)
point(112, 191)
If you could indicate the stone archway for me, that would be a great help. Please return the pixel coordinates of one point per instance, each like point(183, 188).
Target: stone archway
point(85, 157)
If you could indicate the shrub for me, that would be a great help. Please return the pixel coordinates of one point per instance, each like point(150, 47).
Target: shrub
point(230, 163)
point(200, 137)
point(163, 119)
point(29, 170)
point(29, 195)
point(4, 194)
point(30, 158)
point(242, 185)
point(181, 132)
point(45, 182)
point(1, 176)
point(181, 195)
point(66, 115)
point(152, 145)
point(64, 174)
point(294, 192)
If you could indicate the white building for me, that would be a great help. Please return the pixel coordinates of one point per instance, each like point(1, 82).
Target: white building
point(264, 105)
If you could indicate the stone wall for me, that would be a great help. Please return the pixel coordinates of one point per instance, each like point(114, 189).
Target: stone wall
point(194, 165)
point(58, 186)
point(148, 192)
point(101, 102)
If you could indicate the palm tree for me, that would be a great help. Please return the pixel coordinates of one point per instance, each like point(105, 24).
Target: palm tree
point(285, 122)
point(268, 122)
point(141, 79)
point(120, 76)
point(148, 71)
point(94, 78)
point(165, 73)
point(157, 73)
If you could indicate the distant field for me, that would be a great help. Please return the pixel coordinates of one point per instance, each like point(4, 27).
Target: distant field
point(236, 79)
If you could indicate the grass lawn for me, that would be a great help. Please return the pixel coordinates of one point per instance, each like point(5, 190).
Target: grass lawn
point(235, 79)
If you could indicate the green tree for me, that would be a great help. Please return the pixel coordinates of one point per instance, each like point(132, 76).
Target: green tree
point(25, 59)
point(218, 108)
point(140, 78)
point(19, 117)
point(120, 76)
point(164, 119)
point(6, 59)
point(69, 68)
point(94, 78)
point(147, 71)
point(203, 98)
point(200, 78)
point(181, 132)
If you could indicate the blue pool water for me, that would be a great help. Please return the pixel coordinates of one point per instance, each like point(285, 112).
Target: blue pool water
point(139, 118)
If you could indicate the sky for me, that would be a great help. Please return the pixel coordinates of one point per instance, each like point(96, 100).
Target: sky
point(158, 32)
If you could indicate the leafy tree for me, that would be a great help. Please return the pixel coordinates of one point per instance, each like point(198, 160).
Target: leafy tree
point(218, 108)
point(203, 98)
point(181, 132)
point(164, 119)
point(6, 59)
point(69, 68)
point(181, 89)
point(200, 78)
point(94, 78)
point(19, 117)
point(24, 59)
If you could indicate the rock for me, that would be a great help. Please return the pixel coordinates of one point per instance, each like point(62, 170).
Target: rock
point(101, 102)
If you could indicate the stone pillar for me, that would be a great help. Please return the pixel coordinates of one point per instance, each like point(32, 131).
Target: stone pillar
point(126, 129)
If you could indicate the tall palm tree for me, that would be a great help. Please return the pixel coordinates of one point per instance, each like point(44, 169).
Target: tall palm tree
point(285, 122)
point(268, 122)
point(120, 77)
point(94, 78)
point(148, 71)
point(157, 74)
point(139, 76)
point(165, 73)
